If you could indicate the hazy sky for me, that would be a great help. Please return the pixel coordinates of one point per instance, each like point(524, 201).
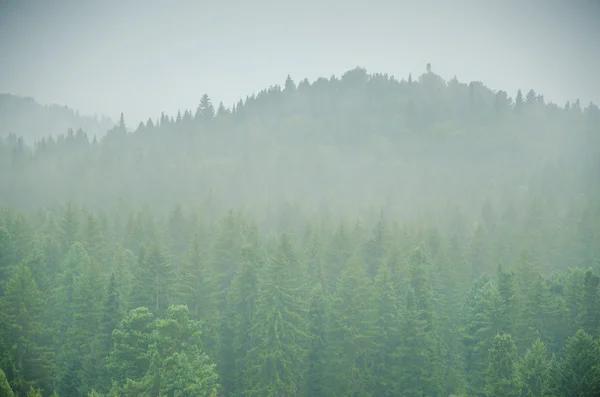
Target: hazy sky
point(145, 57)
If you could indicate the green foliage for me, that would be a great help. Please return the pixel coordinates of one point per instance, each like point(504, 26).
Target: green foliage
point(7, 255)
point(273, 362)
point(23, 332)
point(177, 365)
point(153, 279)
point(534, 370)
point(239, 319)
point(128, 272)
point(353, 331)
point(5, 389)
point(502, 376)
point(578, 373)
point(316, 380)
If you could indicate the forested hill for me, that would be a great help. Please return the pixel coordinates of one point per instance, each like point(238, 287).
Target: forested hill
point(357, 140)
point(31, 121)
point(356, 236)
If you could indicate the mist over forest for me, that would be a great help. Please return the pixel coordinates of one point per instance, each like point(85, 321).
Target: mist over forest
point(24, 118)
point(356, 235)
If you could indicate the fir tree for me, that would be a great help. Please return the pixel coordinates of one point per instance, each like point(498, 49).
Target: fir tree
point(502, 376)
point(273, 362)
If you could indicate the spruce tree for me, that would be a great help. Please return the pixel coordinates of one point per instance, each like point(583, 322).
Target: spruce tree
point(578, 373)
point(24, 333)
point(534, 370)
point(502, 377)
point(279, 330)
point(317, 376)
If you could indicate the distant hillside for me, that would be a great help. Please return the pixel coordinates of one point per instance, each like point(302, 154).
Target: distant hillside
point(349, 142)
point(26, 118)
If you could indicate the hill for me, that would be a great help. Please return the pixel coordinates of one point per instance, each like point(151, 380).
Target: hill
point(358, 140)
point(391, 237)
point(30, 120)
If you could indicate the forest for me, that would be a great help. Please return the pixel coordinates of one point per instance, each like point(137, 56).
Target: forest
point(32, 121)
point(360, 235)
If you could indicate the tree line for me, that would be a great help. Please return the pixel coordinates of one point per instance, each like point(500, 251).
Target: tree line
point(354, 236)
point(182, 307)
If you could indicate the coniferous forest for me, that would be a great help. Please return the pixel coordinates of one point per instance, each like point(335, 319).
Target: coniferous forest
point(359, 235)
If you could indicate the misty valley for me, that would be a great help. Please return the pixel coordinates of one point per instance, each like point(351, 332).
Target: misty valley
point(360, 235)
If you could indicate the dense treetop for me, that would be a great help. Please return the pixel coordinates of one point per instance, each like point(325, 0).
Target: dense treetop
point(29, 120)
point(357, 140)
point(355, 236)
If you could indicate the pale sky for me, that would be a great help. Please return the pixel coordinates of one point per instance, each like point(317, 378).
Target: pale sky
point(146, 57)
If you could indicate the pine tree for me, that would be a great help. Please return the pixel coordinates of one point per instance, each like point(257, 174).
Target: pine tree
point(239, 320)
point(578, 373)
point(354, 331)
point(316, 381)
point(519, 102)
point(534, 369)
point(478, 253)
point(226, 251)
point(129, 358)
point(375, 253)
point(153, 279)
point(51, 246)
point(289, 86)
point(88, 294)
point(22, 235)
point(69, 226)
point(481, 319)
point(36, 262)
point(415, 352)
point(123, 262)
point(338, 253)
point(196, 283)
point(314, 260)
point(24, 333)
point(178, 236)
point(178, 367)
point(79, 296)
point(419, 347)
point(8, 264)
point(502, 376)
point(112, 314)
point(589, 313)
point(92, 238)
point(508, 294)
point(273, 362)
point(205, 111)
point(386, 365)
point(5, 390)
point(198, 289)
point(63, 314)
point(556, 322)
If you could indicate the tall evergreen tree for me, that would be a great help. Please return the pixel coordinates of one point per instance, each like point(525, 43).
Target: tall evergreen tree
point(273, 362)
point(502, 375)
point(24, 334)
point(237, 337)
point(534, 370)
point(5, 389)
point(353, 335)
point(578, 373)
point(386, 364)
point(317, 375)
point(153, 279)
point(8, 264)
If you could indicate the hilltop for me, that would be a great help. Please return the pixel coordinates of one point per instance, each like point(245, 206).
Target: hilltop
point(353, 142)
point(359, 235)
point(25, 117)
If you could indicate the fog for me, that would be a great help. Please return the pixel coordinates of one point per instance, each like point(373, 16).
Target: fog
point(144, 58)
point(308, 200)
